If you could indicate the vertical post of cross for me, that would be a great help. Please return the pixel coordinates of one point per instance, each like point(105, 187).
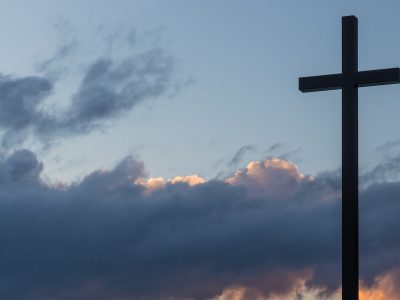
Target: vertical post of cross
point(349, 159)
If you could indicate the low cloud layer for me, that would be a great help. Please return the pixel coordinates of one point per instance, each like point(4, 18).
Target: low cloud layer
point(267, 230)
point(108, 89)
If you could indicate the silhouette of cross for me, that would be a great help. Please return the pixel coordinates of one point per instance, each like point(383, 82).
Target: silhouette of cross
point(349, 81)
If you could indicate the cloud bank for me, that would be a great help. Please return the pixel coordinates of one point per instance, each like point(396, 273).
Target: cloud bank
point(266, 232)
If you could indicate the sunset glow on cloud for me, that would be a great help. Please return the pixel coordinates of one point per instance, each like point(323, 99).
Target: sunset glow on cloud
point(162, 150)
point(250, 236)
point(151, 184)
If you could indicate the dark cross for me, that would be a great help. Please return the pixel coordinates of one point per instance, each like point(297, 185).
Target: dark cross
point(349, 81)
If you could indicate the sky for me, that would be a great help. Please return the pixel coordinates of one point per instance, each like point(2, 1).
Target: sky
point(162, 150)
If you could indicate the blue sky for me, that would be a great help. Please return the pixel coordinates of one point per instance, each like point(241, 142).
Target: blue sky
point(162, 150)
point(237, 66)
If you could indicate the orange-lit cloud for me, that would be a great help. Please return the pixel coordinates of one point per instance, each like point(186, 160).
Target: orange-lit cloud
point(261, 173)
point(261, 234)
point(384, 288)
point(190, 180)
point(270, 177)
point(151, 184)
point(154, 183)
point(256, 170)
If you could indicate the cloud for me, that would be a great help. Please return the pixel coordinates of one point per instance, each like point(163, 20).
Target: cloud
point(190, 180)
point(108, 89)
point(19, 102)
point(387, 170)
point(231, 164)
point(275, 147)
point(20, 168)
point(388, 146)
point(268, 231)
point(280, 150)
point(384, 287)
point(238, 157)
point(270, 178)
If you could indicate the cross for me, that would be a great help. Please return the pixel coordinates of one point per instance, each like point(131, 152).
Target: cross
point(349, 81)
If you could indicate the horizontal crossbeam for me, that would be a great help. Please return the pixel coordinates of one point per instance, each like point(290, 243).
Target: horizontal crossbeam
point(360, 79)
point(378, 77)
point(320, 83)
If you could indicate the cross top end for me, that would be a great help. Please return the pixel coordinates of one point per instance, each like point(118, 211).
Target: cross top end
point(350, 76)
point(351, 17)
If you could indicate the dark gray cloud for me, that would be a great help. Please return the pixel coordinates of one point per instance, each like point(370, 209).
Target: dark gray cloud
point(108, 237)
point(19, 102)
point(108, 89)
